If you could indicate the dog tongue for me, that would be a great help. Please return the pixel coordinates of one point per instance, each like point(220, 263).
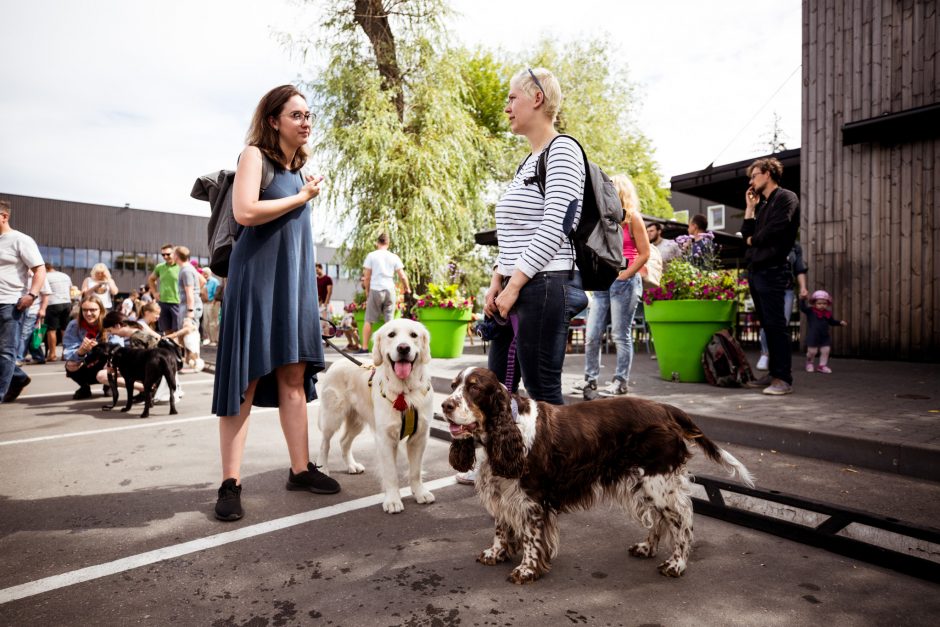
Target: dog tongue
point(403, 369)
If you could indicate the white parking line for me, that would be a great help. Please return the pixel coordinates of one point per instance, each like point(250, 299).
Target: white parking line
point(82, 575)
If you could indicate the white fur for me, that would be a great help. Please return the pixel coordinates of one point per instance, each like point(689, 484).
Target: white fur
point(346, 400)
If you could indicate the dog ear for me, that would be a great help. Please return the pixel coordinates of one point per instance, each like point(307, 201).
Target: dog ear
point(377, 338)
point(424, 354)
point(463, 454)
point(504, 445)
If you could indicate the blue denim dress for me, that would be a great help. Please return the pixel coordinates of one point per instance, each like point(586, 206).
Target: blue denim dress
point(269, 311)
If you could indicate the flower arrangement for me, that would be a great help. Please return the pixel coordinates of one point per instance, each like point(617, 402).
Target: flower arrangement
point(682, 280)
point(446, 296)
point(358, 303)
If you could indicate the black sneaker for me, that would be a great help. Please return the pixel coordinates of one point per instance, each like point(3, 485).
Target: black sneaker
point(14, 390)
point(82, 393)
point(229, 505)
point(590, 391)
point(312, 480)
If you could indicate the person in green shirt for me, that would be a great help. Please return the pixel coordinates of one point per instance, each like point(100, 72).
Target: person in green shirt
point(168, 274)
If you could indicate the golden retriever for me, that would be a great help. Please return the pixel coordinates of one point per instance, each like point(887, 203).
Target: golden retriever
point(354, 396)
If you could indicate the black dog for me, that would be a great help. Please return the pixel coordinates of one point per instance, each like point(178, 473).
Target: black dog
point(146, 365)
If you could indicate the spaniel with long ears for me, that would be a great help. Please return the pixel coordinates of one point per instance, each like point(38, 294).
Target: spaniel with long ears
point(542, 460)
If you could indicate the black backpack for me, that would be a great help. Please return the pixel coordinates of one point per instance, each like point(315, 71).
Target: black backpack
point(216, 189)
point(597, 241)
point(725, 363)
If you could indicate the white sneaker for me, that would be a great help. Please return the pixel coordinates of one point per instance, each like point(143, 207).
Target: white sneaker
point(467, 478)
point(579, 386)
point(616, 387)
point(200, 364)
point(762, 363)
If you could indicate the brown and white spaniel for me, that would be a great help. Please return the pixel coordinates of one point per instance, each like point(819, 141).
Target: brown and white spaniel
point(544, 459)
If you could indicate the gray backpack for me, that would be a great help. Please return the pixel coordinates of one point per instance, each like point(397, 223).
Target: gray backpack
point(216, 189)
point(597, 241)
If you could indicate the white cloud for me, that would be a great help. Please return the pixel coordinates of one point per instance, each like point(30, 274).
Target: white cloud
point(124, 101)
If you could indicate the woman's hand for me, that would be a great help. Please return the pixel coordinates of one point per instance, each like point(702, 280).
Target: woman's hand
point(87, 345)
point(312, 187)
point(506, 300)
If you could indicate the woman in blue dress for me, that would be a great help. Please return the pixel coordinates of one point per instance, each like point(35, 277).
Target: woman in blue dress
point(270, 345)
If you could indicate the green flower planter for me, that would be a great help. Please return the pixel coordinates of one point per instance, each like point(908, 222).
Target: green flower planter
point(360, 318)
point(448, 328)
point(681, 329)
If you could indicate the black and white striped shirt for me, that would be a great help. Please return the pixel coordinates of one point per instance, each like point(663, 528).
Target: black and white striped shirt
point(529, 227)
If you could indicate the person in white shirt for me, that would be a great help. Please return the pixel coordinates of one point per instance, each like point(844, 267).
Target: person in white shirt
point(380, 268)
point(58, 309)
point(18, 256)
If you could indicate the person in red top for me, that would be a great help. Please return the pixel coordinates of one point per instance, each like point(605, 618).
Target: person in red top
point(324, 293)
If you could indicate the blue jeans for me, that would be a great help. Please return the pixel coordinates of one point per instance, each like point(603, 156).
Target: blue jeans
point(26, 339)
point(788, 298)
point(621, 301)
point(10, 319)
point(545, 306)
point(767, 290)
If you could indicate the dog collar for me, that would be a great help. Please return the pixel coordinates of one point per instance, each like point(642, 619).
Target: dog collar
point(409, 415)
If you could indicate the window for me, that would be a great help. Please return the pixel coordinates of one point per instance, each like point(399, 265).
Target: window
point(51, 254)
point(716, 217)
point(68, 257)
point(107, 259)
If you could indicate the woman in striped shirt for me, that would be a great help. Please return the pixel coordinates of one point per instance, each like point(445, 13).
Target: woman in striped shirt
point(535, 283)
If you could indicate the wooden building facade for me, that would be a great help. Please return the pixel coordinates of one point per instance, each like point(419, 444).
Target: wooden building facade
point(870, 171)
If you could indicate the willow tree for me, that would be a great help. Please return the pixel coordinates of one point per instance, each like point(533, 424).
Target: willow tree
point(403, 151)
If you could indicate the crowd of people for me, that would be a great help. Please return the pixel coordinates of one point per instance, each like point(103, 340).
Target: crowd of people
point(44, 317)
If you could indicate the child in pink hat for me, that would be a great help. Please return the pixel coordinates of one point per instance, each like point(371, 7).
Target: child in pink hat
point(818, 320)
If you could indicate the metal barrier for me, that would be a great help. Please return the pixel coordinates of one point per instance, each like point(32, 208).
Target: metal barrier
point(832, 530)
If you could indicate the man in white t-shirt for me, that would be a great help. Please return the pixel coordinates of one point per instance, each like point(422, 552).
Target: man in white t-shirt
point(18, 255)
point(58, 308)
point(379, 271)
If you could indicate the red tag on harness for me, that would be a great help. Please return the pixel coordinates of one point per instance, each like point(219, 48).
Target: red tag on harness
point(400, 404)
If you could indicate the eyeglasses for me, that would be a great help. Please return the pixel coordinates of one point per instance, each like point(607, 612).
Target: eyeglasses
point(166, 254)
point(537, 83)
point(94, 311)
point(299, 117)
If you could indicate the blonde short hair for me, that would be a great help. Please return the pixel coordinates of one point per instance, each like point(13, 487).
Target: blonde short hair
point(549, 88)
point(99, 268)
point(629, 199)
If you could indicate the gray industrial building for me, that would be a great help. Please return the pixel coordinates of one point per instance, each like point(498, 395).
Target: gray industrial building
point(74, 236)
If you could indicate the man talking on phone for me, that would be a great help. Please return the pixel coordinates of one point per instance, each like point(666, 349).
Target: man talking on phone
point(771, 222)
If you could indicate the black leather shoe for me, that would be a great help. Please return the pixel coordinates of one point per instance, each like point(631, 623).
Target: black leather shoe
point(82, 393)
point(229, 505)
point(312, 480)
point(14, 390)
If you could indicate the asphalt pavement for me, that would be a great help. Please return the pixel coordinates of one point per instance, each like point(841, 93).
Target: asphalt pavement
point(106, 519)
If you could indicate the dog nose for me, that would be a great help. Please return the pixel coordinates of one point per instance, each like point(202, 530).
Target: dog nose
point(449, 405)
point(404, 349)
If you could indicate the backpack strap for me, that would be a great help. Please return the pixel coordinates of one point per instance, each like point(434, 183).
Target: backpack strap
point(267, 173)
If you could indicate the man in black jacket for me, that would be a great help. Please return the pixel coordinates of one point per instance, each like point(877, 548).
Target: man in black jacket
point(771, 221)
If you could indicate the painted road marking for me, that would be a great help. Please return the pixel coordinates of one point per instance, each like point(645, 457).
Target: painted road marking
point(82, 575)
point(69, 393)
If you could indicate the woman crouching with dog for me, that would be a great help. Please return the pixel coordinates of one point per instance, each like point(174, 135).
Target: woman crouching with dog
point(81, 335)
point(270, 344)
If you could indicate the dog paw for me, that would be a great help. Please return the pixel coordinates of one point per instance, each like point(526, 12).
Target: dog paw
point(424, 496)
point(355, 468)
point(492, 556)
point(523, 574)
point(642, 549)
point(672, 568)
point(173, 412)
point(393, 506)
point(125, 409)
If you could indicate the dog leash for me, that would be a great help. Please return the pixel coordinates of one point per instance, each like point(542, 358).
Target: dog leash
point(335, 347)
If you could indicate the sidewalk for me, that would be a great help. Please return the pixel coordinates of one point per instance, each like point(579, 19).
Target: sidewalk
point(876, 414)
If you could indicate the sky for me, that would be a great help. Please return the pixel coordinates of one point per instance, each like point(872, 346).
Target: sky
point(126, 102)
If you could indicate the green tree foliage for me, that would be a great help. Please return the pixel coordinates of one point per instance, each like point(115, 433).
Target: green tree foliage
point(416, 143)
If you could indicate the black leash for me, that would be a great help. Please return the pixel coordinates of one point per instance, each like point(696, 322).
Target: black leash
point(335, 347)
